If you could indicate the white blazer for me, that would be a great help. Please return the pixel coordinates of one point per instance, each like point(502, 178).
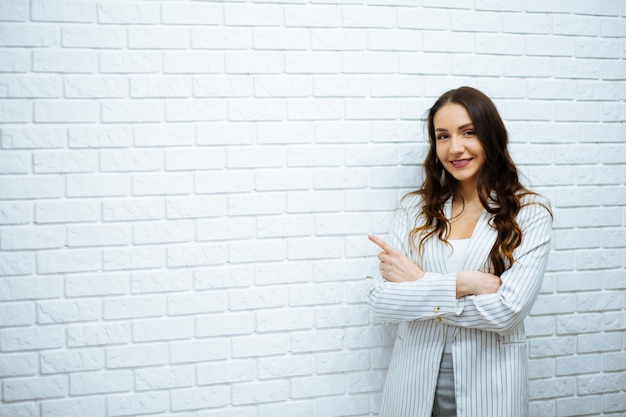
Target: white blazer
point(489, 348)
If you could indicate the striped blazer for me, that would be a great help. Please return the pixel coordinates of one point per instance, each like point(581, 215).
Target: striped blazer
point(489, 347)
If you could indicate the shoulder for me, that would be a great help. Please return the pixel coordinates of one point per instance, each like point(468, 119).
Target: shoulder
point(411, 204)
point(535, 208)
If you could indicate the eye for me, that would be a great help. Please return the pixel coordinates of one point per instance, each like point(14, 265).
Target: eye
point(442, 136)
point(469, 133)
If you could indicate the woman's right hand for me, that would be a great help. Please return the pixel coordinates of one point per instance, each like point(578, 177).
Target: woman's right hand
point(476, 283)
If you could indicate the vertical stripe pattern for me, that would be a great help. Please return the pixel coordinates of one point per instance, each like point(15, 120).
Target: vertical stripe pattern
point(489, 348)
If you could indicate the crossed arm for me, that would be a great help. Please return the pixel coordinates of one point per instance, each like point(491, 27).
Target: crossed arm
point(396, 267)
point(472, 299)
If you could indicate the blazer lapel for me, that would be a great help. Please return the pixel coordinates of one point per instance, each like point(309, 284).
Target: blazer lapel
point(481, 242)
point(484, 236)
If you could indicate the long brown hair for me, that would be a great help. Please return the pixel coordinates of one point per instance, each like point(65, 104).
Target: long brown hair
point(499, 189)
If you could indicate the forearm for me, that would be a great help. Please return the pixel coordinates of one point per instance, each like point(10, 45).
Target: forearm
point(431, 296)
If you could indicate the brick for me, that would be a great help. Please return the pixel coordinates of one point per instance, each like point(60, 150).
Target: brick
point(162, 232)
point(577, 69)
point(269, 274)
point(317, 386)
point(29, 238)
point(552, 347)
point(614, 362)
point(317, 61)
point(132, 12)
point(68, 311)
point(133, 404)
point(98, 334)
point(164, 378)
point(28, 35)
point(526, 23)
point(614, 402)
point(135, 307)
point(225, 324)
point(71, 361)
point(96, 285)
point(158, 38)
point(160, 281)
point(585, 323)
point(136, 356)
point(197, 255)
point(576, 406)
point(253, 15)
point(541, 368)
point(199, 350)
point(554, 6)
point(197, 303)
point(93, 37)
point(34, 388)
point(18, 365)
point(227, 373)
point(577, 365)
point(162, 184)
point(64, 61)
point(14, 10)
point(588, 343)
point(31, 87)
point(15, 61)
point(229, 276)
point(317, 340)
point(254, 393)
point(133, 62)
point(16, 111)
point(300, 408)
point(32, 338)
point(610, 8)
point(260, 345)
point(217, 86)
point(598, 384)
point(99, 137)
point(341, 316)
point(162, 329)
point(342, 406)
point(589, 260)
point(312, 16)
point(555, 388)
point(200, 398)
point(30, 288)
point(100, 382)
point(74, 408)
point(280, 39)
point(64, 261)
point(614, 321)
point(177, 62)
point(191, 14)
point(132, 209)
point(575, 25)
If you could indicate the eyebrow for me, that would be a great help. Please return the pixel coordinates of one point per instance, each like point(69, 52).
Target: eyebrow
point(460, 127)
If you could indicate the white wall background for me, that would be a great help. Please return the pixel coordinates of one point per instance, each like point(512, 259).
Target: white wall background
point(186, 189)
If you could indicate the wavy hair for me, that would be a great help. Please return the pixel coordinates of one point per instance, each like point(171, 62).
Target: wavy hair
point(499, 189)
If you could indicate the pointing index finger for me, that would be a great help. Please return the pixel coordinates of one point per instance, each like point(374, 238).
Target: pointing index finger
point(381, 243)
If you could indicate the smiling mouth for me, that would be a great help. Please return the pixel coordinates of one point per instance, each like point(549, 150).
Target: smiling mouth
point(460, 163)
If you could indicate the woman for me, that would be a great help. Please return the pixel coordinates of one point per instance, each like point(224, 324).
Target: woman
point(463, 267)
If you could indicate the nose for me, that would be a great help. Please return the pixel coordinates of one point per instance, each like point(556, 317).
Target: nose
point(456, 144)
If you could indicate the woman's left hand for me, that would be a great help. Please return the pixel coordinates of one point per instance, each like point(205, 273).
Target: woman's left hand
point(394, 265)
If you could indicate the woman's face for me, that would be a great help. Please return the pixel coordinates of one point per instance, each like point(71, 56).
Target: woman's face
point(458, 148)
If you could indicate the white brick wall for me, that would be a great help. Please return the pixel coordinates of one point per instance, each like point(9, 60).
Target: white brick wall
point(186, 188)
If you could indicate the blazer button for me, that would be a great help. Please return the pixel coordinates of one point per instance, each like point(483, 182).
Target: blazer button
point(436, 309)
point(438, 319)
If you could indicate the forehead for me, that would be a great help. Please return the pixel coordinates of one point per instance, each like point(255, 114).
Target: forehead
point(451, 115)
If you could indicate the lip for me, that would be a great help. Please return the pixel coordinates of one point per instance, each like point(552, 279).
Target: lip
point(461, 163)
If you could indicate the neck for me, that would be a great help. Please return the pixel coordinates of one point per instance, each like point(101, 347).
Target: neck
point(468, 193)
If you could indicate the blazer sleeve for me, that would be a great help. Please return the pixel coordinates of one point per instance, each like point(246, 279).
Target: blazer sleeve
point(504, 311)
point(429, 297)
